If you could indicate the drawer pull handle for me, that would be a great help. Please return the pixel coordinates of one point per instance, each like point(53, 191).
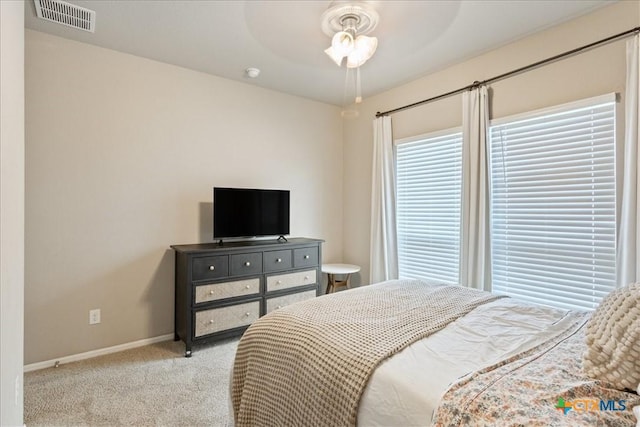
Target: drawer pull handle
point(211, 321)
point(247, 314)
point(306, 257)
point(306, 277)
point(211, 292)
point(279, 307)
point(247, 287)
point(279, 282)
point(279, 260)
point(247, 264)
point(212, 267)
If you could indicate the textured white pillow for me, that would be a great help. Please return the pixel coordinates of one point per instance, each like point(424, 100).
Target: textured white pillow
point(636, 410)
point(613, 339)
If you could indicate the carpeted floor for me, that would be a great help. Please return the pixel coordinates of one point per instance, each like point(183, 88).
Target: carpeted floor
point(153, 385)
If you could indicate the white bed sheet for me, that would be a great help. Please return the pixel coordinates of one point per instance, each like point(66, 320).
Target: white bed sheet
point(405, 389)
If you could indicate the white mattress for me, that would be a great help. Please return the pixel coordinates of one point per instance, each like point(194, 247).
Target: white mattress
point(406, 388)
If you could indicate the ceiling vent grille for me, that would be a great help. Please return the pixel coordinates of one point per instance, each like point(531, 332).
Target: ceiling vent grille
point(67, 14)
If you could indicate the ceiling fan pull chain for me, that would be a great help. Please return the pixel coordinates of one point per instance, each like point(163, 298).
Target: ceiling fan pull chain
point(346, 85)
point(358, 87)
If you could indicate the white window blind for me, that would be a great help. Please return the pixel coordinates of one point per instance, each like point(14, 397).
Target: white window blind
point(553, 205)
point(429, 180)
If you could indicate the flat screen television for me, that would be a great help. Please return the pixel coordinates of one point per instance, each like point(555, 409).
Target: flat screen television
point(245, 212)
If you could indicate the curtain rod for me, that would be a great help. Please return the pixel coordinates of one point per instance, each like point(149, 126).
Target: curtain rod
point(513, 72)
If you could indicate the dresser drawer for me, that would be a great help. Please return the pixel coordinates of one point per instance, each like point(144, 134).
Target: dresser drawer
point(291, 280)
point(305, 257)
point(216, 291)
point(279, 302)
point(249, 263)
point(277, 260)
point(210, 267)
point(219, 319)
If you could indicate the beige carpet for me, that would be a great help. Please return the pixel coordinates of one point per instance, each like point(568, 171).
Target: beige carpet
point(152, 385)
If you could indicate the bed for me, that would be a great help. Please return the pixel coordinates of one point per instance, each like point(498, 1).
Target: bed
point(405, 353)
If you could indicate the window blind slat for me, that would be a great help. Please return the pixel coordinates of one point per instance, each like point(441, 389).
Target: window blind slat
point(553, 206)
point(429, 184)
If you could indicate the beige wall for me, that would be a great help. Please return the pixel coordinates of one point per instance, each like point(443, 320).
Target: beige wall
point(598, 71)
point(121, 157)
point(11, 210)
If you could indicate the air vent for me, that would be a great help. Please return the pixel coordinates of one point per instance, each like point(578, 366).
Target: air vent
point(67, 14)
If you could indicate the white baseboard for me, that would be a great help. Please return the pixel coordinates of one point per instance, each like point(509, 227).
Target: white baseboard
point(94, 353)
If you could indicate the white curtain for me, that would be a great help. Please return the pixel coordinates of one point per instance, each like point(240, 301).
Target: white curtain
point(384, 242)
point(475, 256)
point(628, 263)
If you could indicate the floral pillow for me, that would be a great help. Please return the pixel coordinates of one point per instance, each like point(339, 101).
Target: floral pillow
point(613, 339)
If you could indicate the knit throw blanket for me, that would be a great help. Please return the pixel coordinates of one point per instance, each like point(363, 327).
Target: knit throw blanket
point(309, 363)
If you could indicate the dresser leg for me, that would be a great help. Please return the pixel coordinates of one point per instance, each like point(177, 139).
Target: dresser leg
point(187, 353)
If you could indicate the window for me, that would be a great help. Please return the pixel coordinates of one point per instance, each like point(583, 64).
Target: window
point(553, 204)
point(429, 181)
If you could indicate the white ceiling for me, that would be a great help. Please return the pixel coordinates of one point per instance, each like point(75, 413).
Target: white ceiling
point(284, 38)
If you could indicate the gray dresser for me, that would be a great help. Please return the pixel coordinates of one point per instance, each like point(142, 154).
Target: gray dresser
point(222, 288)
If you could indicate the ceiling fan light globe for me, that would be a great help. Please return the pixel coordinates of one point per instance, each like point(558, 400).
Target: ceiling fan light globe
point(355, 60)
point(367, 45)
point(336, 58)
point(364, 48)
point(342, 43)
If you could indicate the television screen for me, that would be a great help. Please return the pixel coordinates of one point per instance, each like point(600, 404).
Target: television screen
point(243, 212)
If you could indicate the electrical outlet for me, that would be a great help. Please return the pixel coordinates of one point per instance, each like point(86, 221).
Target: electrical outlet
point(94, 316)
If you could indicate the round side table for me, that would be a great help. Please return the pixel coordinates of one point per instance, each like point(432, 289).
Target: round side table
point(338, 269)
